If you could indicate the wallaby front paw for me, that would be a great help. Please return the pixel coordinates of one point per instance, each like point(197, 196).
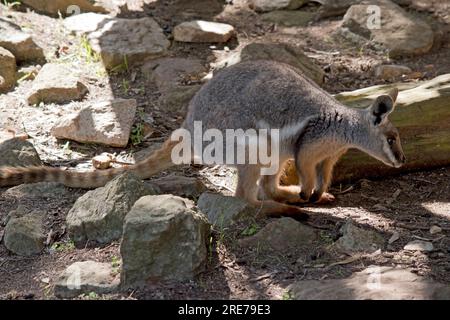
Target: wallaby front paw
point(325, 198)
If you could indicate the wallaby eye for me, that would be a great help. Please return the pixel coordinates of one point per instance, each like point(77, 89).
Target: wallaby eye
point(390, 141)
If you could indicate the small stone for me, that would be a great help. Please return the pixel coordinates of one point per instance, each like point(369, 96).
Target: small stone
point(86, 277)
point(108, 122)
point(356, 239)
point(102, 161)
point(435, 229)
point(19, 43)
point(395, 236)
point(56, 83)
point(388, 72)
point(163, 239)
point(18, 153)
point(223, 211)
point(281, 235)
point(203, 31)
point(7, 70)
point(98, 215)
point(419, 245)
point(118, 46)
point(24, 235)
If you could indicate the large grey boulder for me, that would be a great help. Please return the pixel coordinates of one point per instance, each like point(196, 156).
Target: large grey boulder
point(222, 211)
point(373, 283)
point(56, 83)
point(19, 43)
point(400, 33)
point(98, 215)
point(164, 238)
point(86, 277)
point(24, 235)
point(18, 153)
point(107, 122)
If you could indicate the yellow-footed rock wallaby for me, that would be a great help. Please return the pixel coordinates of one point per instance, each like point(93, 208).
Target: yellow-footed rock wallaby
point(314, 129)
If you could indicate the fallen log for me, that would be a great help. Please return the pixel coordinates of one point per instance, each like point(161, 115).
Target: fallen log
point(422, 117)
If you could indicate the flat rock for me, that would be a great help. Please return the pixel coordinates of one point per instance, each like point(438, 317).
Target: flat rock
point(419, 245)
point(400, 33)
point(7, 70)
point(56, 83)
point(280, 235)
point(19, 43)
point(289, 18)
point(18, 153)
point(389, 71)
point(98, 215)
point(39, 190)
point(108, 122)
point(130, 40)
point(85, 23)
point(24, 235)
point(86, 277)
point(278, 52)
point(270, 5)
point(373, 283)
point(223, 211)
point(203, 31)
point(356, 239)
point(179, 185)
point(163, 239)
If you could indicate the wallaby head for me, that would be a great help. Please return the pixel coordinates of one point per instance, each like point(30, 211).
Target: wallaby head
point(383, 142)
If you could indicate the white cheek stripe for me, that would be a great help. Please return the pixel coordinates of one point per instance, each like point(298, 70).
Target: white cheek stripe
point(387, 150)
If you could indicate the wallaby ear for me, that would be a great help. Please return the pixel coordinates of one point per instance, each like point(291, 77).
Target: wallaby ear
point(382, 106)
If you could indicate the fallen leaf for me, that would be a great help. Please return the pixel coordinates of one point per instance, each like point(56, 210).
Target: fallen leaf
point(395, 236)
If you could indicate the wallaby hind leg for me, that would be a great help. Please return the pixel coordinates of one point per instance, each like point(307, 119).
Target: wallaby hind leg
point(247, 189)
point(273, 190)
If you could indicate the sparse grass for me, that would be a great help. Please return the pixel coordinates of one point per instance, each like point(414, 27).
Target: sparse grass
point(250, 230)
point(87, 51)
point(126, 86)
point(137, 134)
point(123, 67)
point(287, 296)
point(63, 246)
point(115, 264)
point(11, 4)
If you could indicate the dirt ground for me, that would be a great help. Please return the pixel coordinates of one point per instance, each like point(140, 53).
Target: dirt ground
point(232, 272)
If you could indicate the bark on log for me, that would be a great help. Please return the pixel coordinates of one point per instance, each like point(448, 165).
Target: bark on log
point(422, 117)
